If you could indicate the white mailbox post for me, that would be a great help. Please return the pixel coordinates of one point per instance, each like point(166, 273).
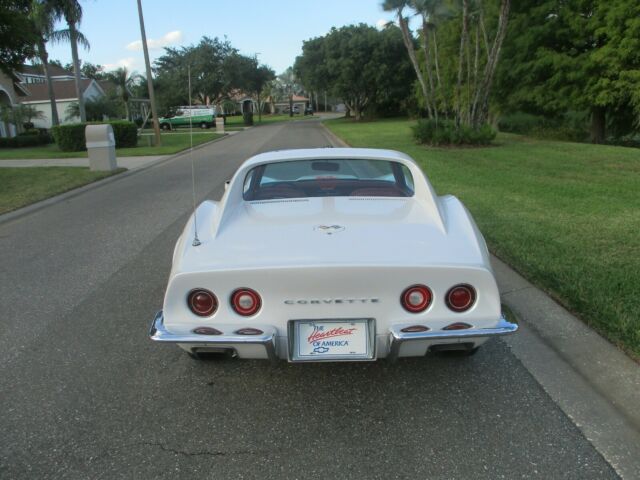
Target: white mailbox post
point(219, 125)
point(101, 145)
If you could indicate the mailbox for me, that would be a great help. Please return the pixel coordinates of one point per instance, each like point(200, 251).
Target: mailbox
point(219, 125)
point(101, 145)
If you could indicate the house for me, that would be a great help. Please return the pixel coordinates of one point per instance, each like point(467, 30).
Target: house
point(65, 92)
point(28, 86)
point(34, 82)
point(34, 74)
point(11, 91)
point(243, 103)
point(298, 101)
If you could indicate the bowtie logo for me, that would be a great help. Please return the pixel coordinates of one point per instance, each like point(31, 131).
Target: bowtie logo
point(329, 229)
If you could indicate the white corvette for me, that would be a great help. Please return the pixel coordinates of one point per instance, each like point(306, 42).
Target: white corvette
point(330, 254)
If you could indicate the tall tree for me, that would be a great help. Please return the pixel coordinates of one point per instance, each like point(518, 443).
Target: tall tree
point(468, 85)
point(360, 64)
point(399, 6)
point(71, 11)
point(575, 55)
point(124, 81)
point(288, 85)
point(17, 34)
point(43, 15)
point(211, 71)
point(261, 76)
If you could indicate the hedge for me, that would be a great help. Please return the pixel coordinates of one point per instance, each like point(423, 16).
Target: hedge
point(445, 132)
point(31, 140)
point(70, 137)
point(126, 133)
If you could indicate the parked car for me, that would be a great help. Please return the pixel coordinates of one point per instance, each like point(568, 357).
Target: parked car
point(296, 110)
point(308, 110)
point(326, 255)
point(198, 116)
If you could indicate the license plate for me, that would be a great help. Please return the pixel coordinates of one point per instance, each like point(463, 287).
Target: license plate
point(316, 340)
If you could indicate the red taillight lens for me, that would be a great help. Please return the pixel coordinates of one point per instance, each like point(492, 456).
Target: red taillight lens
point(415, 329)
point(202, 302)
point(249, 331)
point(457, 326)
point(206, 331)
point(461, 298)
point(416, 299)
point(245, 301)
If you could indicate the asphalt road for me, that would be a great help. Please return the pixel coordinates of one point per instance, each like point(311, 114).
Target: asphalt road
point(85, 394)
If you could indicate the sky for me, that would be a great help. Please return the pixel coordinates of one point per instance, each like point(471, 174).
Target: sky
point(271, 29)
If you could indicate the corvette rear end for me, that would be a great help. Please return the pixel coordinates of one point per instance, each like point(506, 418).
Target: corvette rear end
point(330, 255)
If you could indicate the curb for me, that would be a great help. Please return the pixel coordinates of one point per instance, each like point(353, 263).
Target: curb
point(333, 138)
point(39, 205)
point(593, 382)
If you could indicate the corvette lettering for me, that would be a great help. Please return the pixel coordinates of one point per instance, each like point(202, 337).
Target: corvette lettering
point(326, 301)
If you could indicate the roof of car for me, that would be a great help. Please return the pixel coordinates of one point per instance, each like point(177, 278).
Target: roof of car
point(327, 153)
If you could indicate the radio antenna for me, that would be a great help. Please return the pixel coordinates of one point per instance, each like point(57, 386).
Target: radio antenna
point(196, 240)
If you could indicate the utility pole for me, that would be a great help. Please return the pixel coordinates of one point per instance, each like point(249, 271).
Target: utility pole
point(325, 101)
point(152, 96)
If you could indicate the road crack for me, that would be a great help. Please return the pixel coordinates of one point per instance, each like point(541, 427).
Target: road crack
point(212, 453)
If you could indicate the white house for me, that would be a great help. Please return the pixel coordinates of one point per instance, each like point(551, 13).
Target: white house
point(34, 74)
point(65, 92)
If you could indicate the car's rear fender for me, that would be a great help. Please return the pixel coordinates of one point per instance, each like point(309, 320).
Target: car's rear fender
point(322, 292)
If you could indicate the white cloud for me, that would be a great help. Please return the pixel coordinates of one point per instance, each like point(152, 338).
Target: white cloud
point(383, 22)
point(166, 40)
point(129, 63)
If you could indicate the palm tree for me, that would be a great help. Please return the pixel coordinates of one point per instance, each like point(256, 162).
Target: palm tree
point(398, 6)
point(43, 16)
point(124, 80)
point(71, 11)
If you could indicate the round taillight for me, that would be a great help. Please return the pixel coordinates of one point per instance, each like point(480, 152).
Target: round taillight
point(202, 302)
point(416, 299)
point(461, 298)
point(245, 301)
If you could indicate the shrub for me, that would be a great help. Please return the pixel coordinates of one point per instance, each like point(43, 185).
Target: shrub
point(426, 131)
point(30, 131)
point(22, 141)
point(125, 133)
point(70, 137)
point(570, 127)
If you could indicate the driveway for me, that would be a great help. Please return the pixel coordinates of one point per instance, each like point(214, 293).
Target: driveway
point(85, 394)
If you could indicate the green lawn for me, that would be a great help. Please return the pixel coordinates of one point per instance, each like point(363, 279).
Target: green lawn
point(237, 121)
point(22, 186)
point(566, 215)
point(171, 143)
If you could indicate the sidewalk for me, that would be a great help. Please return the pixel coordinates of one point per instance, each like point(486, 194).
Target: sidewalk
point(130, 163)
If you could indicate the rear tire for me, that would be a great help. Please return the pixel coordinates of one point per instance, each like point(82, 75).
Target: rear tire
point(204, 125)
point(165, 126)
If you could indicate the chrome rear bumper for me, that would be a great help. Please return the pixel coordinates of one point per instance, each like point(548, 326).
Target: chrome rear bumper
point(158, 333)
point(268, 339)
point(397, 338)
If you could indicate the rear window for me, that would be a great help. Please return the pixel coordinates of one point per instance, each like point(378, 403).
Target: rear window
point(328, 178)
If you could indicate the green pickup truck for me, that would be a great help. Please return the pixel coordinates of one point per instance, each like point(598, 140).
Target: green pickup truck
point(203, 117)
